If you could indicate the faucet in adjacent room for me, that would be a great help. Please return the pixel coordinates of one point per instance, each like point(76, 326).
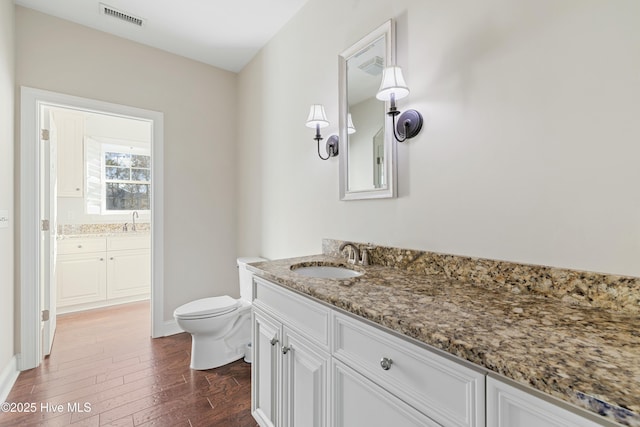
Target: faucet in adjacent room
point(134, 215)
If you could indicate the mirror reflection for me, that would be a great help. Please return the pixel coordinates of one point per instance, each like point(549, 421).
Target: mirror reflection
point(366, 144)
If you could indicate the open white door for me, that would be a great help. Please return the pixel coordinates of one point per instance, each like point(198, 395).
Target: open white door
point(49, 197)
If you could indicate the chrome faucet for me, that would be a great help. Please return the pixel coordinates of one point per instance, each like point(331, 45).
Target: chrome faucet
point(353, 250)
point(134, 215)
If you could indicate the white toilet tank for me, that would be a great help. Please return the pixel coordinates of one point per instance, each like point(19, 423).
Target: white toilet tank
point(245, 276)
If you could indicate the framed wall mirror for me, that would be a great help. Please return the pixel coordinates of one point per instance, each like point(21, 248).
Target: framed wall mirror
point(367, 151)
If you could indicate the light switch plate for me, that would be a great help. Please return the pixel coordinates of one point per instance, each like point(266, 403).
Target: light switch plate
point(4, 219)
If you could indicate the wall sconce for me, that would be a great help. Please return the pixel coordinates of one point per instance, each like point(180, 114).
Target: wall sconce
point(350, 127)
point(392, 88)
point(318, 119)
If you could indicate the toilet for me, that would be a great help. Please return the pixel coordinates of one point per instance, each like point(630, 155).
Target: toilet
point(220, 327)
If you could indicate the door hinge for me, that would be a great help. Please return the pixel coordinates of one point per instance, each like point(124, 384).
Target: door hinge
point(45, 315)
point(45, 225)
point(45, 134)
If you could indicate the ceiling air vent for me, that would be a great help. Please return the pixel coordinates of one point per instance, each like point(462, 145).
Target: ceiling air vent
point(373, 66)
point(115, 13)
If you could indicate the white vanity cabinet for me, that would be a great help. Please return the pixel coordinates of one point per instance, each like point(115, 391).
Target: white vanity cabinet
point(375, 377)
point(291, 359)
point(445, 391)
point(508, 406)
point(97, 271)
point(359, 402)
point(314, 366)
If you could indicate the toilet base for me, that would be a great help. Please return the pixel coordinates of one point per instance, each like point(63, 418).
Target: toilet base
point(209, 354)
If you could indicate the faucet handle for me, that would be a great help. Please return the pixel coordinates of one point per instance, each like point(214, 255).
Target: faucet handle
point(351, 259)
point(364, 256)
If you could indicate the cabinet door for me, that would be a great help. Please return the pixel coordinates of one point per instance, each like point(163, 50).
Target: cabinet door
point(128, 273)
point(265, 372)
point(508, 406)
point(81, 278)
point(358, 402)
point(70, 129)
point(305, 380)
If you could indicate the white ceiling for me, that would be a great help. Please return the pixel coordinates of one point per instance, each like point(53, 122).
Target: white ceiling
point(222, 33)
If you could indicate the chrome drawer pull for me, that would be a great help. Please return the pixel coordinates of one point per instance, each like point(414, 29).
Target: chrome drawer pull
point(274, 341)
point(285, 350)
point(385, 363)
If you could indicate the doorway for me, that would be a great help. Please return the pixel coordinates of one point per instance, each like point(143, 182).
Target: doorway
point(37, 305)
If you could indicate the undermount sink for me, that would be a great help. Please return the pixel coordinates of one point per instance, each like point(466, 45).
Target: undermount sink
point(325, 271)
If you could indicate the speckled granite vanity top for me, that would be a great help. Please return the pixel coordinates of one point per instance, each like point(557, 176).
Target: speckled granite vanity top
point(578, 344)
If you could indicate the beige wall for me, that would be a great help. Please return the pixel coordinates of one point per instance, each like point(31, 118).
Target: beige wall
point(199, 108)
point(529, 152)
point(7, 84)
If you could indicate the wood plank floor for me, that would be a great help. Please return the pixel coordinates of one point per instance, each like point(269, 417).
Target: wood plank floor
point(104, 361)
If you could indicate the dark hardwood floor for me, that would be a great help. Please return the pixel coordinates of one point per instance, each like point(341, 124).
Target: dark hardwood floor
point(105, 370)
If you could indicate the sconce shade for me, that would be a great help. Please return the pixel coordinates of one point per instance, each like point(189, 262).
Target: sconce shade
point(350, 127)
point(392, 84)
point(317, 117)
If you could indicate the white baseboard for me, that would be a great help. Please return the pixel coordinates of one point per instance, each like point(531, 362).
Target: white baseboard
point(170, 327)
point(8, 378)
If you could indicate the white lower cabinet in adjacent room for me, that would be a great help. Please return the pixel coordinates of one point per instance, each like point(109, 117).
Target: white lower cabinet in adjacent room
point(508, 406)
point(128, 273)
point(94, 272)
point(81, 278)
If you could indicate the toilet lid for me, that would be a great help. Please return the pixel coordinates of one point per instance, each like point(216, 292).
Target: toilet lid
point(204, 307)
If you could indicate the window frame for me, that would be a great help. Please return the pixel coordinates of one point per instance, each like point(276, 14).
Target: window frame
point(121, 149)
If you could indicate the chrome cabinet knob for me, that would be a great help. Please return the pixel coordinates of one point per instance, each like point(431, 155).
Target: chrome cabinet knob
point(285, 349)
point(274, 341)
point(385, 363)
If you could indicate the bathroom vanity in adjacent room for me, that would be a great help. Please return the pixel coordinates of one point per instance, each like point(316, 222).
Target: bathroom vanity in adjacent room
point(423, 339)
point(95, 270)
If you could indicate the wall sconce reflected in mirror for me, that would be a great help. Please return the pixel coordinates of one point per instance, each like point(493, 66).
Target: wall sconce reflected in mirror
point(318, 119)
point(392, 88)
point(350, 127)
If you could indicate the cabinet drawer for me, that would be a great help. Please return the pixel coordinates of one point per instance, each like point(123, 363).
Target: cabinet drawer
point(119, 243)
point(303, 315)
point(358, 402)
point(81, 246)
point(449, 393)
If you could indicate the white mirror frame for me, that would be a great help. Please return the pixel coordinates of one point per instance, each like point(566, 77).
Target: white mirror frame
point(389, 191)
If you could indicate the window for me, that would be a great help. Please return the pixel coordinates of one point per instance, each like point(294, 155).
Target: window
point(127, 179)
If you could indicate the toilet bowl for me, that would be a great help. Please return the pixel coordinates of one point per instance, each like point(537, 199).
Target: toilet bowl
point(220, 327)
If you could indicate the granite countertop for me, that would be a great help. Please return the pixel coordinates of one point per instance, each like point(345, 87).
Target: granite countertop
point(586, 356)
point(103, 234)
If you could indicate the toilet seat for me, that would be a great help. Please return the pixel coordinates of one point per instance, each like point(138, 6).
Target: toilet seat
point(207, 307)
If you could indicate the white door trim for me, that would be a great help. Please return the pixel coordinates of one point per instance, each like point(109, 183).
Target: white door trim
point(31, 100)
